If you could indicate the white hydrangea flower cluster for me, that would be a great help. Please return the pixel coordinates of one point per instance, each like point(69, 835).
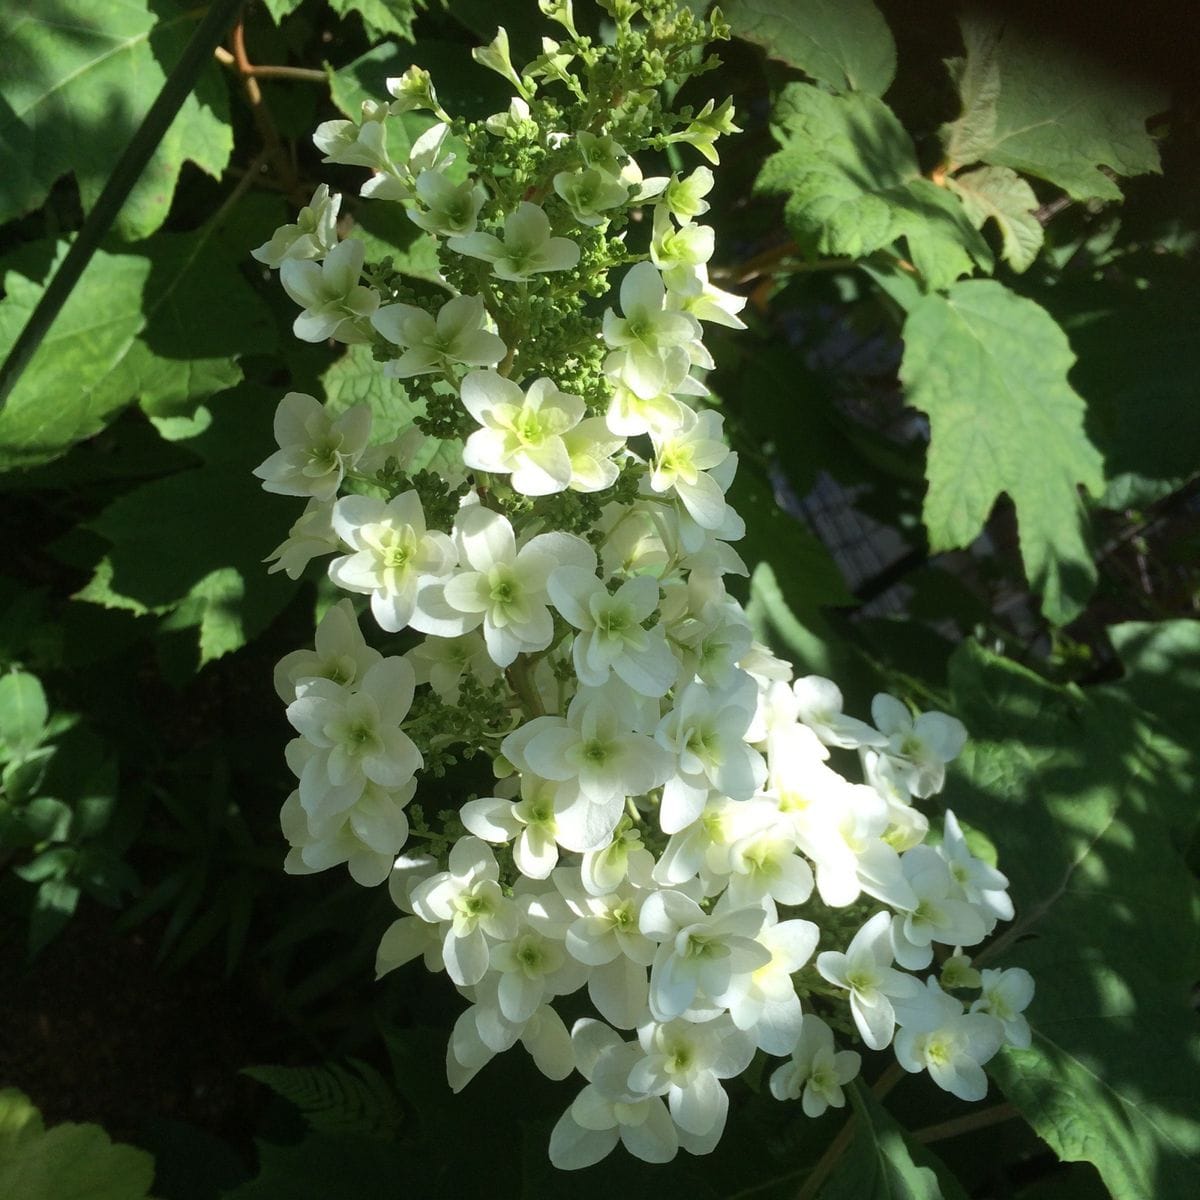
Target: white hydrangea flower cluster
point(666, 827)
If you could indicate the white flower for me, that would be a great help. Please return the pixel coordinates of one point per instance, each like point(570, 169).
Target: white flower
point(1006, 995)
point(687, 247)
point(529, 820)
point(608, 1110)
point(442, 662)
point(982, 885)
point(705, 730)
point(649, 339)
point(700, 955)
point(503, 589)
point(456, 335)
point(921, 748)
point(684, 198)
point(598, 758)
point(355, 737)
point(685, 1062)
point(315, 448)
point(366, 837)
point(589, 194)
point(937, 1036)
point(939, 914)
point(817, 1073)
point(866, 971)
point(335, 304)
point(765, 1003)
point(819, 706)
point(449, 209)
point(691, 292)
point(356, 145)
point(682, 459)
point(611, 637)
point(342, 655)
point(468, 901)
point(526, 249)
point(522, 432)
point(763, 861)
point(313, 235)
point(590, 447)
point(310, 536)
point(392, 554)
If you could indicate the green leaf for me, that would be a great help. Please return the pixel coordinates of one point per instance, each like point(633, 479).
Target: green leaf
point(325, 1165)
point(332, 1098)
point(1069, 787)
point(1001, 195)
point(1048, 111)
point(844, 43)
point(989, 368)
point(23, 712)
point(53, 907)
point(281, 8)
point(68, 1162)
point(882, 1164)
point(163, 326)
point(356, 378)
point(382, 18)
point(853, 186)
point(1162, 680)
point(78, 79)
point(191, 545)
point(1142, 410)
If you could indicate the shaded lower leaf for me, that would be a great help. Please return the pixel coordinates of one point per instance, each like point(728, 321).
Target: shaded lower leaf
point(881, 1163)
point(1069, 787)
point(68, 1162)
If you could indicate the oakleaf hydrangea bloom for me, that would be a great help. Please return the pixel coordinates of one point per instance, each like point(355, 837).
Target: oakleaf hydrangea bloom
point(335, 304)
point(457, 335)
point(651, 820)
point(527, 246)
point(315, 448)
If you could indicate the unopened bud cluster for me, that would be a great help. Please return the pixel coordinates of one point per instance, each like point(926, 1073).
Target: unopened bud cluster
point(661, 824)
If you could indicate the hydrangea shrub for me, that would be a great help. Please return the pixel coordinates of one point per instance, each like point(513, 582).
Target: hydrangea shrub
point(659, 821)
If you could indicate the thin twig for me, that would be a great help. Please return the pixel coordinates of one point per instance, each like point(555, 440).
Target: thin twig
point(269, 71)
point(966, 1124)
point(263, 121)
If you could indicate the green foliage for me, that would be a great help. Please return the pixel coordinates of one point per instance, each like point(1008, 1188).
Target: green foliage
point(174, 552)
point(999, 194)
point(78, 80)
point(881, 1163)
point(1071, 790)
point(382, 18)
point(1048, 112)
point(1142, 410)
point(853, 186)
point(844, 43)
point(128, 332)
point(990, 370)
point(353, 1099)
point(23, 714)
point(68, 1162)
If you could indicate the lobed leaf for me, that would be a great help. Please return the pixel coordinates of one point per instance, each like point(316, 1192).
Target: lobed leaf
point(1048, 111)
point(162, 325)
point(844, 43)
point(78, 79)
point(999, 194)
point(989, 368)
point(849, 172)
point(68, 1162)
